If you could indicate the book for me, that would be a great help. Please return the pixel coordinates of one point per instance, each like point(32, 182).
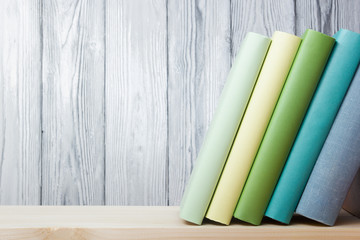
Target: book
point(222, 130)
point(337, 163)
point(285, 122)
point(316, 125)
point(271, 79)
point(352, 200)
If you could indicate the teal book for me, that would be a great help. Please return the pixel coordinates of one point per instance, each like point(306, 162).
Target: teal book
point(220, 136)
point(317, 123)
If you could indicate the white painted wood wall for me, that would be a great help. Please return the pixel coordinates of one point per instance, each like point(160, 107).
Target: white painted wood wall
point(107, 102)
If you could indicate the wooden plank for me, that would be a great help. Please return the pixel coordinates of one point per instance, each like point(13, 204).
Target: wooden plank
point(20, 102)
point(312, 14)
point(346, 15)
point(327, 16)
point(73, 102)
point(100, 222)
point(136, 102)
point(199, 60)
point(262, 17)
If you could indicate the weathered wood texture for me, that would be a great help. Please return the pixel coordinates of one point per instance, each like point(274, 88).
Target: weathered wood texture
point(73, 102)
point(262, 17)
point(20, 101)
point(327, 16)
point(136, 103)
point(108, 102)
point(199, 60)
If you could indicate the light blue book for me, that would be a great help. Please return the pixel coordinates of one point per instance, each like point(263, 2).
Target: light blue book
point(316, 125)
point(337, 164)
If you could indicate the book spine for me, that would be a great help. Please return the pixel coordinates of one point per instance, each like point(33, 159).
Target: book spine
point(271, 79)
point(221, 133)
point(352, 200)
point(319, 118)
point(337, 163)
point(285, 122)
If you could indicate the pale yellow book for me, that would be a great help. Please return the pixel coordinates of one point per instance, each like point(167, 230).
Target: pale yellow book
point(267, 90)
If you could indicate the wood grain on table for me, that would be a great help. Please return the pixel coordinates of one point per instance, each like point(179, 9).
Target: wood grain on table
point(131, 222)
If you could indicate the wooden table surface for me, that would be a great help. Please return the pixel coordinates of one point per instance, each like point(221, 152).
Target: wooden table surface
point(101, 222)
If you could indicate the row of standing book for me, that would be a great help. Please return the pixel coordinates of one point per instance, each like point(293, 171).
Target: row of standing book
point(285, 136)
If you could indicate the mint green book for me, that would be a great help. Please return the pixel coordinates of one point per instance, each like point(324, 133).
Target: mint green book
point(222, 130)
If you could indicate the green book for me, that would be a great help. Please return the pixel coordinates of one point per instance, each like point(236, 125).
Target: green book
point(284, 124)
point(222, 130)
